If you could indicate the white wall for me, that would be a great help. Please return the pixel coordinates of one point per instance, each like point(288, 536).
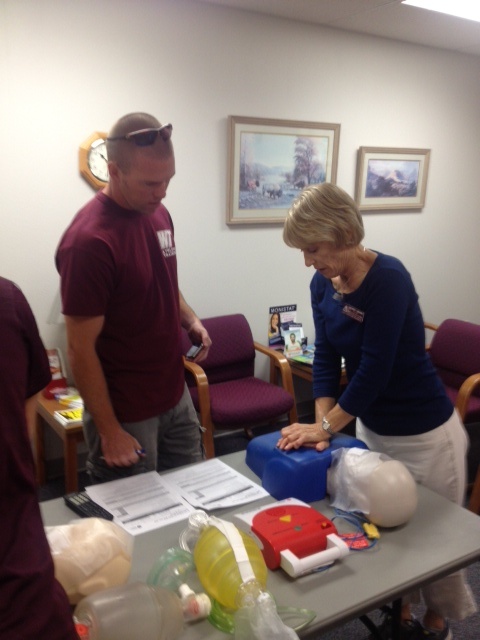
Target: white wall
point(70, 68)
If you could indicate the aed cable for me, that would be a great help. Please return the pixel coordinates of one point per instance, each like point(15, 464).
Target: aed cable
point(364, 529)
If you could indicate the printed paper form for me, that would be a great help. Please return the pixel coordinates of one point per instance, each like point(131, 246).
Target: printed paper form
point(149, 501)
point(213, 485)
point(140, 503)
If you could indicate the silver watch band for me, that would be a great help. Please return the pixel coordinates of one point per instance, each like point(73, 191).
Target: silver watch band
point(326, 426)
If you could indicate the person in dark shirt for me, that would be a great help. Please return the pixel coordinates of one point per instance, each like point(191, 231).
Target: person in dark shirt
point(124, 312)
point(366, 310)
point(33, 604)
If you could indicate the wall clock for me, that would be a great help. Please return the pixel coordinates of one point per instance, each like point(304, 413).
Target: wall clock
point(92, 160)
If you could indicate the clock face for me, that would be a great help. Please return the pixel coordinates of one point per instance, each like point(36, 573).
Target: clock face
point(97, 160)
point(92, 160)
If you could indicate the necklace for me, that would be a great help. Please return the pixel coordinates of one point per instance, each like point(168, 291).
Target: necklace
point(338, 295)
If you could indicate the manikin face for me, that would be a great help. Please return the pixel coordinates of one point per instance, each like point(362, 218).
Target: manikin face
point(144, 185)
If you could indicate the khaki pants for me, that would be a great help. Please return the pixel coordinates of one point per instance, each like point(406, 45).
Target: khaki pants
point(437, 460)
point(170, 440)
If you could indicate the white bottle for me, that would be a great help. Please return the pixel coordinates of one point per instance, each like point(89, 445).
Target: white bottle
point(135, 610)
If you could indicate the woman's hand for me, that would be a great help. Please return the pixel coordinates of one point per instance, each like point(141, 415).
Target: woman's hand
point(303, 435)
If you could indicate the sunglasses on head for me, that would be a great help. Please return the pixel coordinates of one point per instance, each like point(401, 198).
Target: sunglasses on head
point(146, 137)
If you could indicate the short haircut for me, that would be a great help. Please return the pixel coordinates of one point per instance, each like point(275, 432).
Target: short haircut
point(122, 152)
point(323, 213)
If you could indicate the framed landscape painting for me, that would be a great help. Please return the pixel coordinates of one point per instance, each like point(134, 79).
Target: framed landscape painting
point(271, 161)
point(391, 178)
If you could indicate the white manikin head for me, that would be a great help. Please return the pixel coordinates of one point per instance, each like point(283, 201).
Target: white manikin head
point(381, 488)
point(392, 494)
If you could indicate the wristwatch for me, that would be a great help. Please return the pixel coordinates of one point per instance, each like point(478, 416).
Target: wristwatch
point(326, 426)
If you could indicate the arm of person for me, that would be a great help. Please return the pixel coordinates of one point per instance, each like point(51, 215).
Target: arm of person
point(313, 435)
point(30, 416)
point(118, 446)
point(326, 374)
point(194, 327)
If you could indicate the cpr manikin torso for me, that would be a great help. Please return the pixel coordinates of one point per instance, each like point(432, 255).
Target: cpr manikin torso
point(90, 555)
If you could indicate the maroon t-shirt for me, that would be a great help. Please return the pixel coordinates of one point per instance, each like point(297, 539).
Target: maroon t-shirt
point(122, 265)
point(32, 602)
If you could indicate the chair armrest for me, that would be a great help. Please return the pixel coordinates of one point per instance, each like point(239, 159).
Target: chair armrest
point(201, 383)
point(196, 370)
point(271, 353)
point(280, 362)
point(431, 327)
point(464, 393)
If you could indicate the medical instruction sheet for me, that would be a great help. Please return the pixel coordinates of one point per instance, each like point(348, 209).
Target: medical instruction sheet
point(213, 485)
point(149, 501)
point(140, 503)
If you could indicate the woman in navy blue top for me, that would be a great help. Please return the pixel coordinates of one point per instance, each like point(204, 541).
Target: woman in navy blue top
point(378, 329)
point(366, 311)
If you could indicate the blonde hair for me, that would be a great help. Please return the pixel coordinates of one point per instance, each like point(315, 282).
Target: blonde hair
point(323, 213)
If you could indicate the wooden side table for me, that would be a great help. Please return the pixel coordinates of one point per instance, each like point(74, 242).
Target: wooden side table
point(301, 370)
point(305, 371)
point(71, 436)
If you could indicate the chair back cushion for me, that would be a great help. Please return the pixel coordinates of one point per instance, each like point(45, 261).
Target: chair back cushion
point(232, 354)
point(455, 351)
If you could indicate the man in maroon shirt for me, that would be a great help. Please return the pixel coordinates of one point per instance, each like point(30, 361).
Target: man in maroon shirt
point(124, 312)
point(33, 605)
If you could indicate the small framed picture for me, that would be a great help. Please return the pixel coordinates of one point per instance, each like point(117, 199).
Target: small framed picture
point(271, 161)
point(389, 178)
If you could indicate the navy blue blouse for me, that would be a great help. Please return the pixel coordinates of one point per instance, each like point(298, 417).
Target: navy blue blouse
point(393, 386)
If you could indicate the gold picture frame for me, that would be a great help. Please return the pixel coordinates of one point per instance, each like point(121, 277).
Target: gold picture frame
point(271, 161)
point(391, 179)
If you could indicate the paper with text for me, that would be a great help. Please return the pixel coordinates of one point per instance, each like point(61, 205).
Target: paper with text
point(149, 501)
point(213, 485)
point(141, 503)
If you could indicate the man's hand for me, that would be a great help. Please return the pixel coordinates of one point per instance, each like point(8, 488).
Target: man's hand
point(121, 450)
point(194, 328)
point(303, 435)
point(199, 335)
